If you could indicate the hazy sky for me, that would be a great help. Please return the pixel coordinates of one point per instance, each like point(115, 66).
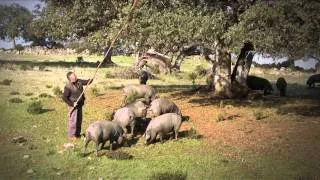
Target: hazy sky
point(26, 3)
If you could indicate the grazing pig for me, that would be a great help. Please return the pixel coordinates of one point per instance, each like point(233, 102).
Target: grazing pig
point(282, 86)
point(102, 131)
point(143, 77)
point(258, 83)
point(126, 116)
point(139, 91)
point(162, 106)
point(162, 125)
point(313, 80)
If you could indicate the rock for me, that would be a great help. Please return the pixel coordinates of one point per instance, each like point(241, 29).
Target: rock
point(19, 139)
point(26, 156)
point(30, 171)
point(100, 178)
point(59, 173)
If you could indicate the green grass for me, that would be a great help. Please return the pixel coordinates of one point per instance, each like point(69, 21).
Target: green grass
point(188, 156)
point(47, 132)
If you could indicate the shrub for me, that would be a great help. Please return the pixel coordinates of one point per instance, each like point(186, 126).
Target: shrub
point(48, 86)
point(193, 76)
point(109, 75)
point(95, 91)
point(35, 107)
point(28, 94)
point(221, 117)
point(108, 116)
point(14, 93)
point(15, 100)
point(200, 70)
point(155, 69)
point(6, 82)
point(45, 95)
point(25, 67)
point(19, 48)
point(258, 115)
point(57, 91)
point(79, 59)
point(176, 175)
point(118, 155)
point(123, 73)
point(193, 134)
point(42, 68)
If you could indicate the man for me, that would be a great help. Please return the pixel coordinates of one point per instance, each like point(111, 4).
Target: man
point(72, 92)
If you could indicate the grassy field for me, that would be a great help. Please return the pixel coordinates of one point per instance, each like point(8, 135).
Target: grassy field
point(273, 138)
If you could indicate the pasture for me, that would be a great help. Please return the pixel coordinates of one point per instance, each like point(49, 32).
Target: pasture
point(270, 138)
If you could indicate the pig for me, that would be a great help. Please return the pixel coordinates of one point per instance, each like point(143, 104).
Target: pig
point(162, 106)
point(258, 83)
point(102, 131)
point(281, 86)
point(139, 91)
point(162, 125)
point(127, 115)
point(143, 77)
point(313, 80)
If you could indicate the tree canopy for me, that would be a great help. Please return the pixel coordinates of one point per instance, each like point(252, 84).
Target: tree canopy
point(281, 28)
point(14, 20)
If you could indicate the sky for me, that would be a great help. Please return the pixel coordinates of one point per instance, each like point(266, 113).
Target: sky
point(26, 3)
point(30, 4)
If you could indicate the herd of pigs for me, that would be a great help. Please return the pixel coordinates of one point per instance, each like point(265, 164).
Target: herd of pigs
point(258, 83)
point(166, 119)
point(166, 115)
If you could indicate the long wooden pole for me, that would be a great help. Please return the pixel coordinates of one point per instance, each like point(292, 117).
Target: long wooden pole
point(124, 26)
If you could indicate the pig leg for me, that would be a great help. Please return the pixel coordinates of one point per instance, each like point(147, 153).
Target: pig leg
point(161, 137)
point(133, 123)
point(102, 145)
point(125, 130)
point(176, 132)
point(86, 142)
point(97, 147)
point(111, 148)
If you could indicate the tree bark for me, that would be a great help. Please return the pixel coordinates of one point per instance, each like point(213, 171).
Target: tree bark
point(14, 42)
point(107, 57)
point(222, 70)
point(241, 70)
point(178, 62)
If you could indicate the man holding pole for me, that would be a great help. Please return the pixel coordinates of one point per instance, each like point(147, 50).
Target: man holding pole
point(73, 96)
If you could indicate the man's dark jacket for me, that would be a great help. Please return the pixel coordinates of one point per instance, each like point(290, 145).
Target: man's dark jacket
point(72, 92)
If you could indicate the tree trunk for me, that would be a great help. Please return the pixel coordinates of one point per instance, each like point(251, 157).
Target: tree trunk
point(178, 62)
point(241, 70)
point(107, 57)
point(14, 42)
point(222, 69)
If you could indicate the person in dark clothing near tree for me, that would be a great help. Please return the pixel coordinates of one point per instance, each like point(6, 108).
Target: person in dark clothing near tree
point(72, 92)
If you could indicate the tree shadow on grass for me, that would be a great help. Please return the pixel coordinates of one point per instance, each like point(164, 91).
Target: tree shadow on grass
point(299, 100)
point(41, 111)
point(191, 134)
point(54, 63)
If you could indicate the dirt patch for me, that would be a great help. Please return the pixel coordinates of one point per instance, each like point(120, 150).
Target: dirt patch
point(284, 134)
